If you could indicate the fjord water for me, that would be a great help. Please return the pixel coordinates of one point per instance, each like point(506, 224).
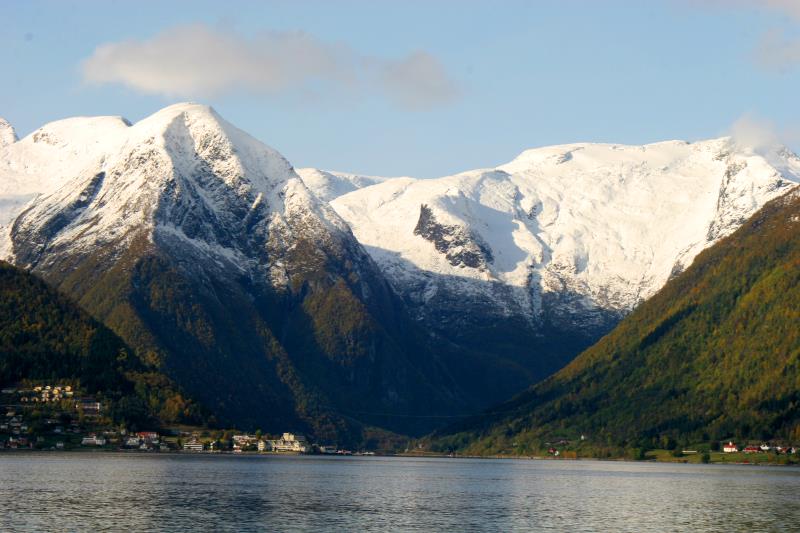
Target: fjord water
point(121, 492)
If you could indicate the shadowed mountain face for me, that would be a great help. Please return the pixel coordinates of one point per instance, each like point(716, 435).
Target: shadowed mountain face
point(714, 354)
point(46, 336)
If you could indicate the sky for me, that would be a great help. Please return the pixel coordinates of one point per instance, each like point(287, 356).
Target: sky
point(414, 88)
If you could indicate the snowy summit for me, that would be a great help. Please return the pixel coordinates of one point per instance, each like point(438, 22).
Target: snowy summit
point(571, 231)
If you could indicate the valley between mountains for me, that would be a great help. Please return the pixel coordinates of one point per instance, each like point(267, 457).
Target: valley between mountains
point(350, 307)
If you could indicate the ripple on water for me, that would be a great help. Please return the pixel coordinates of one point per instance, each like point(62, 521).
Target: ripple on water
point(112, 492)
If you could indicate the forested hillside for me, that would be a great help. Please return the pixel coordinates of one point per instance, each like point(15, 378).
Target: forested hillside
point(44, 336)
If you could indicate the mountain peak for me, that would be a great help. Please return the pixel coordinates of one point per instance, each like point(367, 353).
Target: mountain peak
point(183, 171)
point(7, 133)
point(190, 109)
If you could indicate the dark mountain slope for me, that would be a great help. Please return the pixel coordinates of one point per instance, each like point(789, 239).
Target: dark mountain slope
point(46, 336)
point(311, 359)
point(715, 353)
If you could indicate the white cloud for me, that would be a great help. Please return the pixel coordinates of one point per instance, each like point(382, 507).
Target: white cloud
point(199, 61)
point(752, 132)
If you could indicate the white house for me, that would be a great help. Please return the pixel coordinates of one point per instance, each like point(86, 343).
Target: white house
point(290, 442)
point(193, 446)
point(731, 447)
point(93, 440)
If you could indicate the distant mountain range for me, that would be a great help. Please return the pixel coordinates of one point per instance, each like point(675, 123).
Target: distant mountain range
point(713, 355)
point(334, 303)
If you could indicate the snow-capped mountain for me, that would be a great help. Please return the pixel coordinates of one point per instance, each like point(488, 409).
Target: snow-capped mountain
point(271, 295)
point(182, 175)
point(572, 236)
point(204, 249)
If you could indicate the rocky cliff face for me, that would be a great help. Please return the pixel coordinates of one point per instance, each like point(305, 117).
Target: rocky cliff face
point(459, 246)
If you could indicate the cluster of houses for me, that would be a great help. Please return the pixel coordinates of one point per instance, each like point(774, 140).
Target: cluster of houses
point(732, 447)
point(58, 427)
point(15, 443)
point(149, 441)
point(146, 441)
point(48, 393)
point(54, 394)
point(16, 427)
point(289, 442)
point(62, 429)
point(14, 423)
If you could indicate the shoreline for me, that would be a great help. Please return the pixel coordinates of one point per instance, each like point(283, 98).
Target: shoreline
point(385, 455)
point(653, 460)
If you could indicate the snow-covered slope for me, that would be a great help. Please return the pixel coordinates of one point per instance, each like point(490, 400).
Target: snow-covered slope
point(564, 234)
point(329, 185)
point(7, 133)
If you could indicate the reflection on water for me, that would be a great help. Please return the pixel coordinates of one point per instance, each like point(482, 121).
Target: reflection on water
point(94, 491)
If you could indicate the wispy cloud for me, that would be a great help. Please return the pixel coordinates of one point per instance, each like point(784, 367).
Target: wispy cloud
point(752, 132)
point(758, 135)
point(200, 61)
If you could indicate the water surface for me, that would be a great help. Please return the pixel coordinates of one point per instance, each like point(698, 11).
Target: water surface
point(116, 491)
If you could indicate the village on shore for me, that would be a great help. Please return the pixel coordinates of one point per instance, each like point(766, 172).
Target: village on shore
point(60, 417)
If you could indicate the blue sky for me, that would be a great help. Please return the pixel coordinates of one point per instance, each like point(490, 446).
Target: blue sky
point(417, 88)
